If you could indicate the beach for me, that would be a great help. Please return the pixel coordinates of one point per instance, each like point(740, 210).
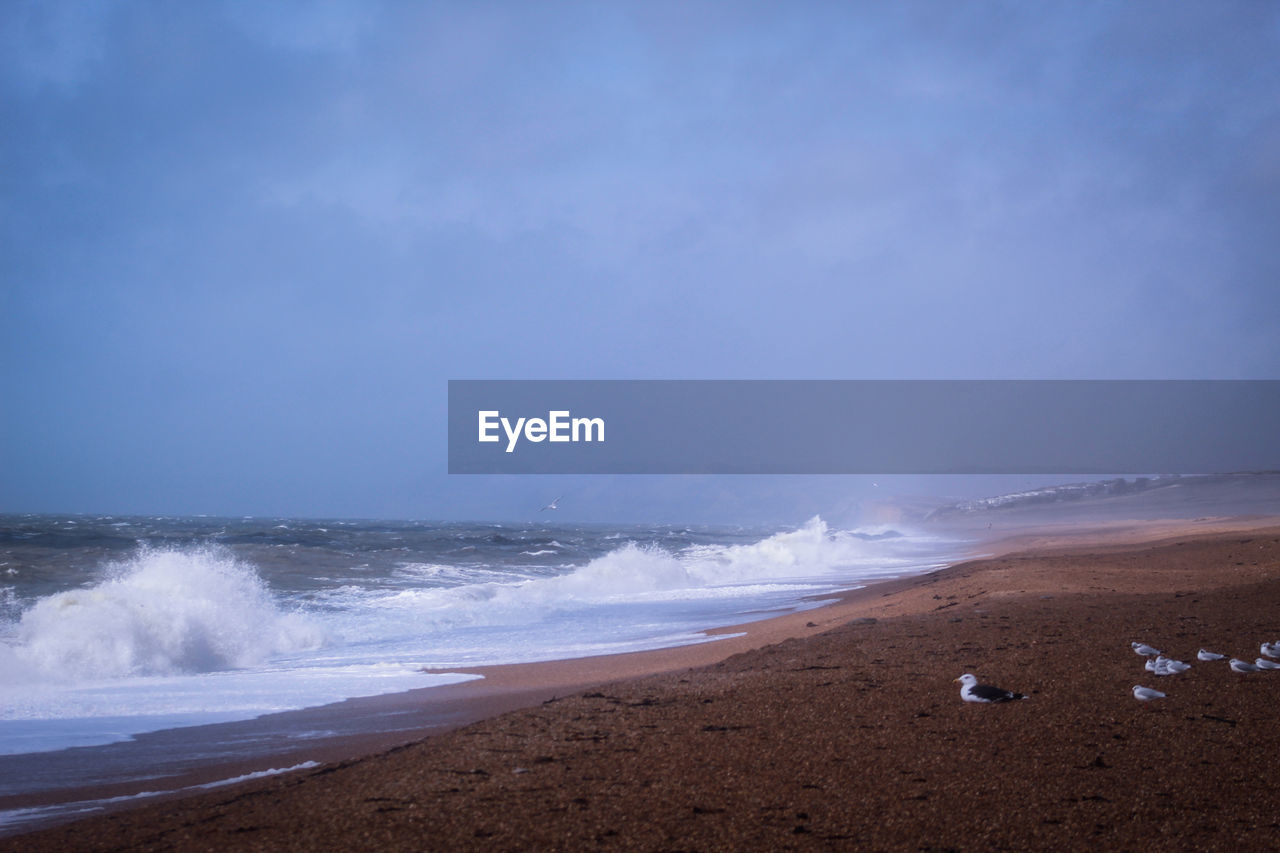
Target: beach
point(639, 426)
point(839, 727)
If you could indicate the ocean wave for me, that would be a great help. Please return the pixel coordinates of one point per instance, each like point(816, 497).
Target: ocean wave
point(635, 572)
point(163, 612)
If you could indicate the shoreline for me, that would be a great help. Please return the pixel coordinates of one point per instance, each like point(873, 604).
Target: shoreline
point(427, 711)
point(529, 686)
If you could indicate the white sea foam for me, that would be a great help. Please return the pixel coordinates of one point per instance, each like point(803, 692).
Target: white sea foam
point(8, 597)
point(810, 558)
point(632, 570)
point(163, 612)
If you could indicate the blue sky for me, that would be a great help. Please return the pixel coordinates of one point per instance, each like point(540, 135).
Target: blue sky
point(243, 246)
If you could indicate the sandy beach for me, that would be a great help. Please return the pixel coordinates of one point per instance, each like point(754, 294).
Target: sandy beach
point(837, 728)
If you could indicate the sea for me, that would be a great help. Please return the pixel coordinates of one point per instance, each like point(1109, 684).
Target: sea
point(114, 627)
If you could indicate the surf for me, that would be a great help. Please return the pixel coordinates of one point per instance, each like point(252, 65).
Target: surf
point(165, 611)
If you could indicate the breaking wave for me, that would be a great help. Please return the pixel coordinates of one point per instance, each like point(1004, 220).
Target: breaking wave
point(636, 573)
point(163, 612)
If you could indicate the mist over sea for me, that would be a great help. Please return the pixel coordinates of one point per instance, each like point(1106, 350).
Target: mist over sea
point(111, 626)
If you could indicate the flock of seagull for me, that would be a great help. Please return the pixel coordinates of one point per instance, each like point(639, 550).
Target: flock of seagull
point(1157, 664)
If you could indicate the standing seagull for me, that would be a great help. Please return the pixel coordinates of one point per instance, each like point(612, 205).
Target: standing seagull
point(1161, 665)
point(1146, 694)
point(972, 691)
point(553, 505)
point(1171, 666)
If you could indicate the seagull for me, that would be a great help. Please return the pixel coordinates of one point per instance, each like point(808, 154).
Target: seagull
point(553, 505)
point(972, 691)
point(1263, 663)
point(1144, 649)
point(1271, 650)
point(1161, 665)
point(1146, 694)
point(1206, 655)
point(1243, 666)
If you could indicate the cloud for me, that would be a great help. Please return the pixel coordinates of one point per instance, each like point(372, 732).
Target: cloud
point(206, 199)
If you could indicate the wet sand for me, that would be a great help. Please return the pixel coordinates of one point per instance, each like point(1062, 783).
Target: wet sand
point(839, 727)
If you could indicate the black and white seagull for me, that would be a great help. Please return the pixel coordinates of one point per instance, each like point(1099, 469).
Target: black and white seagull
point(1243, 666)
point(1271, 650)
point(972, 691)
point(555, 504)
point(1263, 663)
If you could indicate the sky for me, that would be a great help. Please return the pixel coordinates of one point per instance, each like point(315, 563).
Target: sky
point(244, 246)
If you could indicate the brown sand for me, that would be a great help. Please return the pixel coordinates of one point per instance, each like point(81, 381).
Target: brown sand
point(851, 737)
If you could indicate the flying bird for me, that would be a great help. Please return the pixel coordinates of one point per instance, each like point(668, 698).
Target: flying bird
point(555, 504)
point(1146, 694)
point(972, 691)
point(1144, 649)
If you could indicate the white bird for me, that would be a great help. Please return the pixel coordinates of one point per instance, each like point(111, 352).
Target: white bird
point(1271, 650)
point(553, 505)
point(972, 691)
point(1263, 663)
point(1146, 694)
point(1243, 666)
point(1205, 655)
point(1144, 649)
point(1161, 665)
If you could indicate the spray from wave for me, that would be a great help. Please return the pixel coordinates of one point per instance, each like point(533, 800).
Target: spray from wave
point(811, 551)
point(163, 612)
point(634, 573)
